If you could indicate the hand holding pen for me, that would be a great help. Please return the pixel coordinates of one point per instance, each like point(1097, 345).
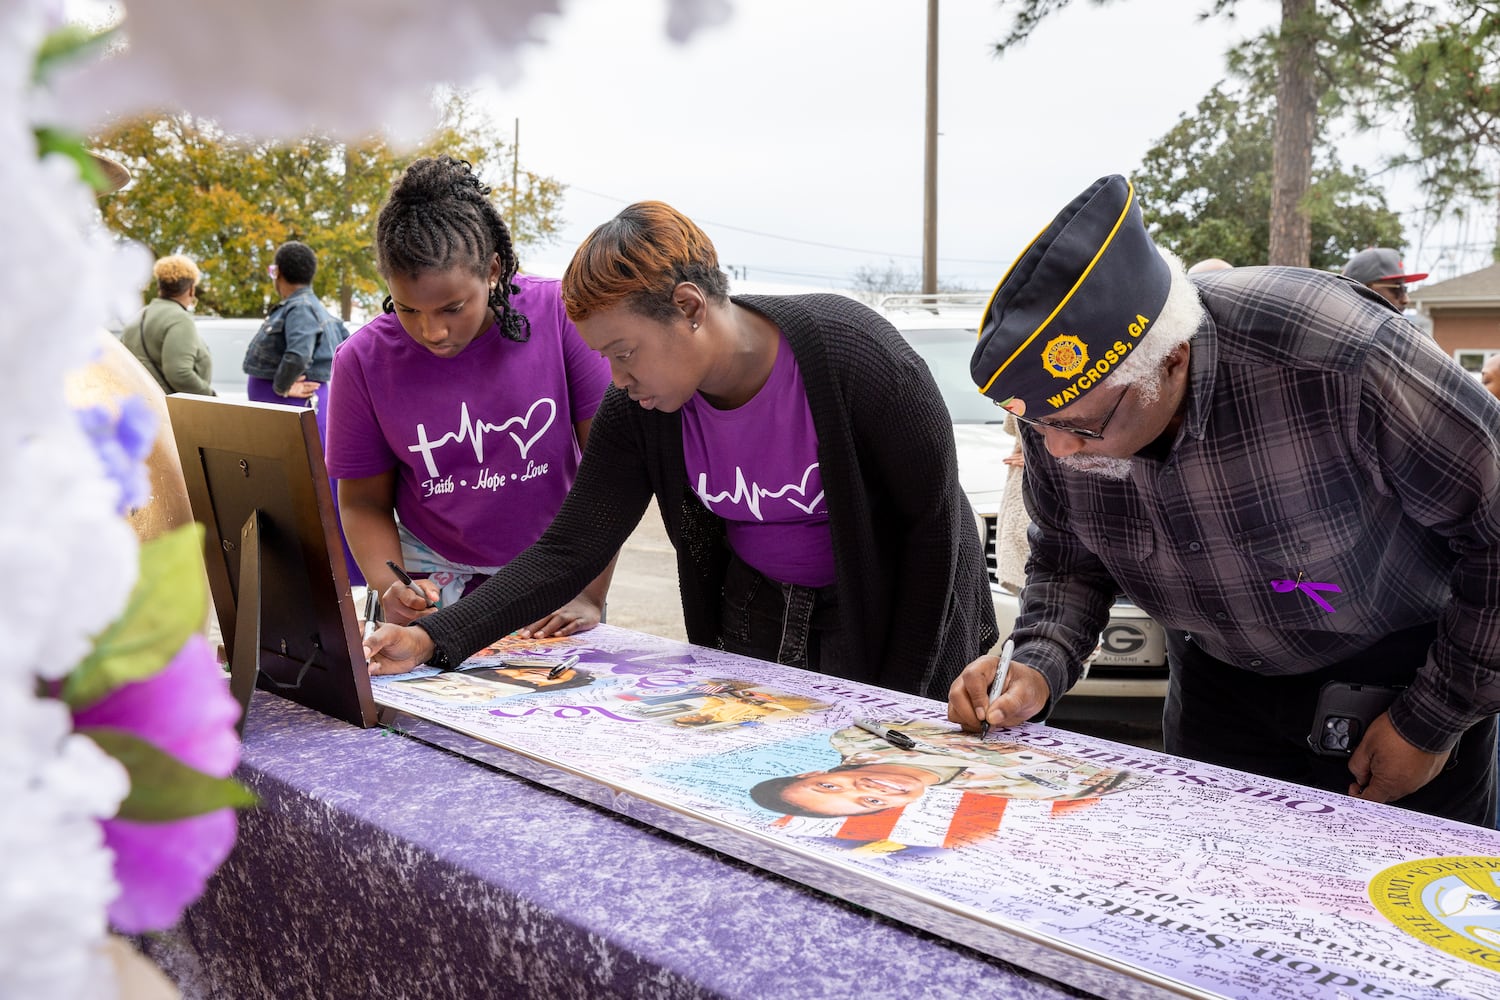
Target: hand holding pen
point(395, 649)
point(409, 599)
point(997, 686)
point(999, 689)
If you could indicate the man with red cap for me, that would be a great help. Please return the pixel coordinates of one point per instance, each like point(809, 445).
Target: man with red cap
point(1381, 270)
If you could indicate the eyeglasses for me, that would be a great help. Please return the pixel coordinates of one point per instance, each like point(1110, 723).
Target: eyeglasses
point(1083, 432)
point(1395, 291)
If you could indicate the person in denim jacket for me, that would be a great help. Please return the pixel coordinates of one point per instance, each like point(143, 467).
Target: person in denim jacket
point(290, 358)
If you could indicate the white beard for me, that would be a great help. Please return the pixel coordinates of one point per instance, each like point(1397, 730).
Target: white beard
point(1097, 465)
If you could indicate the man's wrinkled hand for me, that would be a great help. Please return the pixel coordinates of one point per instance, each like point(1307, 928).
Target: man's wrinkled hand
point(1026, 693)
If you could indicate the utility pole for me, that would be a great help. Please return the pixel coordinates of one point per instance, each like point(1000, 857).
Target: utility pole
point(929, 166)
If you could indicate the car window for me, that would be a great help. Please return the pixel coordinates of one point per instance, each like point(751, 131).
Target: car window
point(227, 340)
point(947, 353)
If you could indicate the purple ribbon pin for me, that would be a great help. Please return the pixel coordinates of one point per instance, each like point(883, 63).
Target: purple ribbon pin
point(1310, 589)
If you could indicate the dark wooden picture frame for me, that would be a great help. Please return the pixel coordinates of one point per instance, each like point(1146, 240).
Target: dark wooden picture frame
point(257, 483)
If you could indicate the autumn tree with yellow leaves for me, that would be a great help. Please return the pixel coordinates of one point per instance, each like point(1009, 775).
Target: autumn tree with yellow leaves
point(228, 202)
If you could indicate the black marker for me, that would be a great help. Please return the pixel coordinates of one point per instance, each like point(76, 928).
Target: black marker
point(401, 575)
point(894, 737)
point(997, 685)
point(372, 613)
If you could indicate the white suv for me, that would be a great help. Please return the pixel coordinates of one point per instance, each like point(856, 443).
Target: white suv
point(1126, 679)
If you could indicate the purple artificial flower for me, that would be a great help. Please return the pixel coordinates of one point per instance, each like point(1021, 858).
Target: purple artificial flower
point(185, 710)
point(123, 444)
point(163, 867)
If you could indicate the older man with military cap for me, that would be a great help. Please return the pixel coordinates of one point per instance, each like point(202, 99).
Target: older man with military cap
point(1290, 478)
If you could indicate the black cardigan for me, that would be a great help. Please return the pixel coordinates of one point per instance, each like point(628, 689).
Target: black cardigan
point(913, 592)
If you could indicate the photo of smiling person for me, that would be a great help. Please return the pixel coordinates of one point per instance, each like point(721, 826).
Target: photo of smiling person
point(801, 458)
point(876, 776)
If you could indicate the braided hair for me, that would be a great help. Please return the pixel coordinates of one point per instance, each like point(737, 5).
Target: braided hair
point(438, 216)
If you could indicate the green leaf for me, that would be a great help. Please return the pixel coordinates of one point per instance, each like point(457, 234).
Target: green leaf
point(163, 788)
point(169, 603)
point(51, 140)
point(71, 41)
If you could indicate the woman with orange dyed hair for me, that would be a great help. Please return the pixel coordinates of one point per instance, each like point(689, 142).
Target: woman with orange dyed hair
point(800, 454)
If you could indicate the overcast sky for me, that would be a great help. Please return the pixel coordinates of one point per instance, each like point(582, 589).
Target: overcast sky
point(800, 123)
point(793, 133)
point(804, 121)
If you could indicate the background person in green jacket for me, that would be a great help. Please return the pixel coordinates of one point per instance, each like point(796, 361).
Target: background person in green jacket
point(164, 338)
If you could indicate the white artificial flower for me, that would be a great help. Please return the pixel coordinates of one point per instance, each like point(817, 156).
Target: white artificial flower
point(60, 521)
point(283, 72)
point(60, 275)
point(56, 877)
point(345, 67)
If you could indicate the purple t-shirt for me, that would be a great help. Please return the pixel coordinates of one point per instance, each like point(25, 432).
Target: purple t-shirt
point(483, 441)
point(756, 466)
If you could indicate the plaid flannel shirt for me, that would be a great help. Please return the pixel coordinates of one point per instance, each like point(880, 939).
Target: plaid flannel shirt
point(1325, 440)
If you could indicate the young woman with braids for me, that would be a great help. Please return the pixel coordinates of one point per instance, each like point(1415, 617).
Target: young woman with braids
point(801, 457)
point(458, 416)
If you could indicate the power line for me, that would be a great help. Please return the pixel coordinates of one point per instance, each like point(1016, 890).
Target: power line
point(743, 271)
point(802, 242)
point(750, 272)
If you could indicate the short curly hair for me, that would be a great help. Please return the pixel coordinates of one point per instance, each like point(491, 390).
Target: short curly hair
point(175, 275)
point(296, 263)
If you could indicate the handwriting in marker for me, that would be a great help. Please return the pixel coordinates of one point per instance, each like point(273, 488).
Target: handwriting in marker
point(1309, 588)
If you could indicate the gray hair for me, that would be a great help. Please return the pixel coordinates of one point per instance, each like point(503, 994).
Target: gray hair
point(1178, 320)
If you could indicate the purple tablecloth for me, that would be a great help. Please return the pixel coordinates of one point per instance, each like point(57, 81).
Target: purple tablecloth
point(379, 866)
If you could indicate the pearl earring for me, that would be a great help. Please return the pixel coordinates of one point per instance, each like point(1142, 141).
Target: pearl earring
point(695, 326)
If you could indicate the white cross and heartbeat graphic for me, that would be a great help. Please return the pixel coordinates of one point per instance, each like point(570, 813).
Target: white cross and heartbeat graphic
point(751, 494)
point(474, 431)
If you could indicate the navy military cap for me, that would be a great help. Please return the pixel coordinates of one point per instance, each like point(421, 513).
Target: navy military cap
point(1074, 304)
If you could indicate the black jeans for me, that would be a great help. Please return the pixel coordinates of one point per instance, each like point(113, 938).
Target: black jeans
point(781, 622)
point(1221, 714)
